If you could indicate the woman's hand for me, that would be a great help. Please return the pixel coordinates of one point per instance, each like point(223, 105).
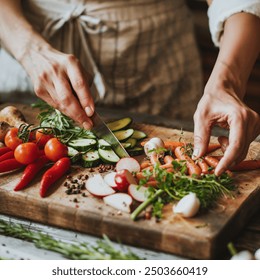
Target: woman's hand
point(61, 81)
point(58, 78)
point(221, 106)
point(222, 102)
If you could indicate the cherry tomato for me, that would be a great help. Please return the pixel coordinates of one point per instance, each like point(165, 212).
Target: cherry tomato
point(55, 150)
point(11, 138)
point(42, 138)
point(26, 153)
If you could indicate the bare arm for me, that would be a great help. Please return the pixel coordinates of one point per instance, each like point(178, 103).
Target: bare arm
point(222, 102)
point(58, 78)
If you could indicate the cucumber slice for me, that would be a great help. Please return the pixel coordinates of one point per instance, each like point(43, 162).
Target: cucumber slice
point(123, 135)
point(73, 154)
point(108, 156)
point(136, 151)
point(102, 144)
point(132, 141)
point(90, 159)
point(126, 145)
point(83, 144)
point(138, 134)
point(119, 124)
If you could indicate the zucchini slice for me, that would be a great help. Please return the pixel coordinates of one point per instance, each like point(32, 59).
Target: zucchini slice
point(73, 154)
point(136, 151)
point(90, 159)
point(83, 144)
point(103, 144)
point(126, 145)
point(123, 135)
point(138, 134)
point(119, 124)
point(132, 141)
point(108, 156)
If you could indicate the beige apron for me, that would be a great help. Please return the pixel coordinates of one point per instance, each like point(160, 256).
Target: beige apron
point(142, 53)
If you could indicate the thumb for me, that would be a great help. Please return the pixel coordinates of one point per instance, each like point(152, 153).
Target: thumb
point(202, 131)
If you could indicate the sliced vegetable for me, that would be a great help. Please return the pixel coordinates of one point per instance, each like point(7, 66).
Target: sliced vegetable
point(98, 187)
point(102, 144)
point(136, 151)
point(109, 178)
point(124, 179)
point(130, 164)
point(123, 135)
point(119, 201)
point(119, 124)
point(108, 156)
point(30, 172)
point(74, 155)
point(90, 159)
point(126, 145)
point(83, 144)
point(138, 193)
point(132, 141)
point(53, 174)
point(138, 135)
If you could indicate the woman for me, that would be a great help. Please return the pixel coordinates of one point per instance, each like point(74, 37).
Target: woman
point(143, 58)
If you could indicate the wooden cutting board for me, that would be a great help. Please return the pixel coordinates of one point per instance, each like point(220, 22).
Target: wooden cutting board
point(202, 237)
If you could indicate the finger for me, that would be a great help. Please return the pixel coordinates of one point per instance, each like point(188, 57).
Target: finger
point(80, 83)
point(202, 132)
point(235, 149)
point(68, 103)
point(43, 94)
point(223, 141)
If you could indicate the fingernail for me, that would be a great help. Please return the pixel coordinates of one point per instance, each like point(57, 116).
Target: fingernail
point(86, 125)
point(195, 153)
point(89, 111)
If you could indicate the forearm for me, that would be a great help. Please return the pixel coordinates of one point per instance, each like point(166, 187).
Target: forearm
point(16, 33)
point(239, 49)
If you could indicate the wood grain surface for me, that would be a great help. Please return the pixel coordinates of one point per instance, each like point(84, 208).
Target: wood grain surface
point(202, 237)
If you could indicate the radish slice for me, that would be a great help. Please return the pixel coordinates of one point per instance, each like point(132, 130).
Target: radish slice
point(128, 163)
point(243, 255)
point(98, 187)
point(110, 179)
point(138, 193)
point(119, 201)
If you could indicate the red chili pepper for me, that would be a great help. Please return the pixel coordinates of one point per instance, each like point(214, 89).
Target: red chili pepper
point(30, 172)
point(10, 165)
point(7, 155)
point(4, 150)
point(53, 174)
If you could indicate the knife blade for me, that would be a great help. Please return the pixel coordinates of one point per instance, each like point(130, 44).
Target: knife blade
point(101, 130)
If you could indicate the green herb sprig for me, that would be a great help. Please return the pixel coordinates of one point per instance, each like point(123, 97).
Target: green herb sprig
point(102, 250)
point(62, 126)
point(174, 186)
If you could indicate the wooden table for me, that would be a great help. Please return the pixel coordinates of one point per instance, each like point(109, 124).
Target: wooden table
point(249, 238)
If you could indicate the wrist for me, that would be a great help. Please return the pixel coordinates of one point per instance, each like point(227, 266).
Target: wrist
point(225, 78)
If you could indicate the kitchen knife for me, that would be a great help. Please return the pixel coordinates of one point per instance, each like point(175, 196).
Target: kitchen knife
point(101, 130)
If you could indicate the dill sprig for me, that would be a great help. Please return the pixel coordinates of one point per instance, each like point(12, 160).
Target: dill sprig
point(174, 186)
point(103, 249)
